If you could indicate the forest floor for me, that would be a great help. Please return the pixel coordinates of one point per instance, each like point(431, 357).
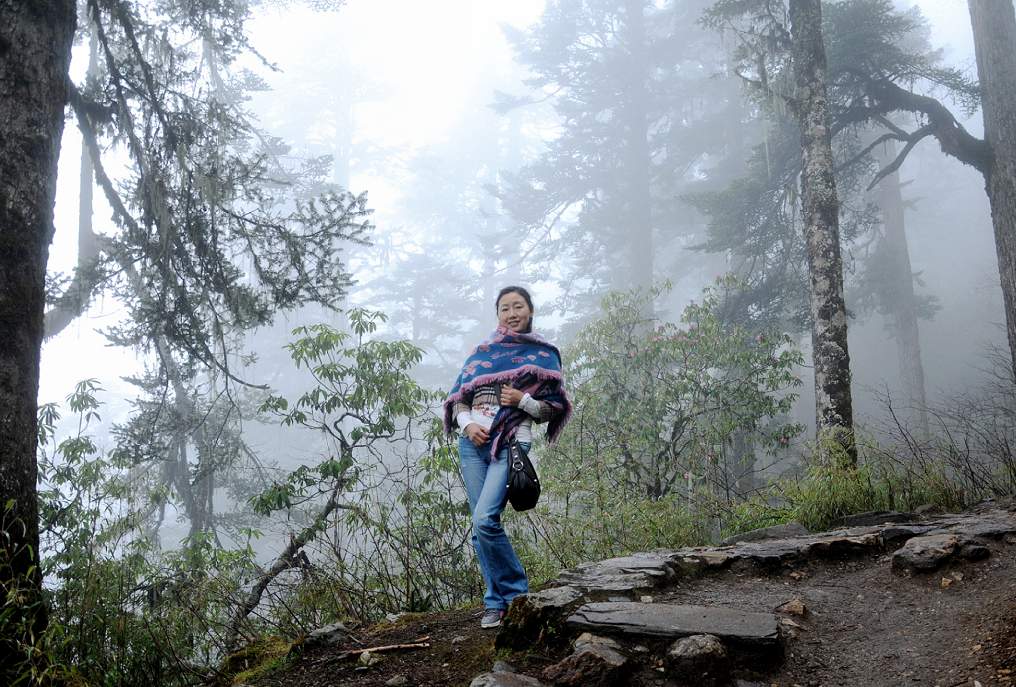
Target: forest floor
point(865, 625)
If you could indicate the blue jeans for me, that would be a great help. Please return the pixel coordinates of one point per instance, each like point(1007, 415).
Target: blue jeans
point(487, 487)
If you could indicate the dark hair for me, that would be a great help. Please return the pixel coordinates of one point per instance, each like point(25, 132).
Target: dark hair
point(525, 296)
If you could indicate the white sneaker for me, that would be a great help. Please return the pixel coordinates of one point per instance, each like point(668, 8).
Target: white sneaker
point(491, 618)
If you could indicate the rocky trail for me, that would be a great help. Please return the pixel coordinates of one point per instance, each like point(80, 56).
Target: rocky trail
point(889, 599)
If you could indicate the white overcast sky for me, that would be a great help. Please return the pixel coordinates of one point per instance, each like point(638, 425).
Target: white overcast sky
point(429, 60)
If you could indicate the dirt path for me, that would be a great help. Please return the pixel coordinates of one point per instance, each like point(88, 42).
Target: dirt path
point(866, 626)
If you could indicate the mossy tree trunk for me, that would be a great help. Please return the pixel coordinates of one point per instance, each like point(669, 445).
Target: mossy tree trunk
point(833, 405)
point(35, 50)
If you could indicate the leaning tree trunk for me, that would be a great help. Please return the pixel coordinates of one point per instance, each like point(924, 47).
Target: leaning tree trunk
point(35, 50)
point(79, 292)
point(994, 25)
point(901, 301)
point(833, 407)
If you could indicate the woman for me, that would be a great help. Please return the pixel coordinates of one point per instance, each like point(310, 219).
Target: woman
point(509, 380)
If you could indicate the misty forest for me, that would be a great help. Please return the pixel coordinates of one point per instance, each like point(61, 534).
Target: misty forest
point(247, 245)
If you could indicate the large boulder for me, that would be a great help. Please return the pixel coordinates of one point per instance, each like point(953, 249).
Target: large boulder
point(925, 554)
point(534, 619)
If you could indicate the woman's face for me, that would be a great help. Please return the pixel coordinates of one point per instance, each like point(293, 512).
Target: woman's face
point(513, 312)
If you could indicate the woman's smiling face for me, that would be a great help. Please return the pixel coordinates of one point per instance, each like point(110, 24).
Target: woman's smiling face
point(513, 312)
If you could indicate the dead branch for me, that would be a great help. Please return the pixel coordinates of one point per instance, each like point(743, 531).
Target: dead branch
point(421, 643)
point(286, 560)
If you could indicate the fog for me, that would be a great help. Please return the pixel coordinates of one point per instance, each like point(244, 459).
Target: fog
point(399, 94)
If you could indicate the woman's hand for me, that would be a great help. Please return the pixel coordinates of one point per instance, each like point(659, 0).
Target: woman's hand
point(510, 396)
point(476, 434)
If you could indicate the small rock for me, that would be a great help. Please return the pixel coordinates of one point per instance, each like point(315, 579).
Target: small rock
point(369, 658)
point(797, 575)
point(458, 639)
point(972, 551)
point(502, 667)
point(588, 638)
point(946, 582)
point(504, 680)
point(329, 635)
point(646, 599)
point(398, 681)
point(640, 649)
point(393, 617)
point(597, 662)
point(793, 607)
point(927, 509)
point(788, 628)
point(701, 656)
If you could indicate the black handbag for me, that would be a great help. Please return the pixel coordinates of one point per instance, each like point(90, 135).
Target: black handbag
point(523, 484)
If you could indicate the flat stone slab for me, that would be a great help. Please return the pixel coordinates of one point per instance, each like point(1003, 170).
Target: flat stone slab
point(791, 529)
point(875, 517)
point(673, 621)
point(624, 575)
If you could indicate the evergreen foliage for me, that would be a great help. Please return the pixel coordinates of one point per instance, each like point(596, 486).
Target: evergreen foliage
point(756, 218)
point(628, 81)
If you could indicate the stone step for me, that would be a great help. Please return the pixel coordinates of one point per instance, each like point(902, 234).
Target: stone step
point(672, 621)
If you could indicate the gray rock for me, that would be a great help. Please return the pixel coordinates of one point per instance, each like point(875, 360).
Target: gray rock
point(676, 621)
point(985, 527)
point(776, 553)
point(790, 529)
point(369, 658)
point(589, 639)
point(504, 680)
point(926, 553)
point(701, 561)
point(596, 661)
point(875, 517)
point(458, 639)
point(629, 575)
point(973, 551)
point(502, 667)
point(329, 635)
point(398, 681)
point(893, 536)
point(702, 658)
point(531, 617)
